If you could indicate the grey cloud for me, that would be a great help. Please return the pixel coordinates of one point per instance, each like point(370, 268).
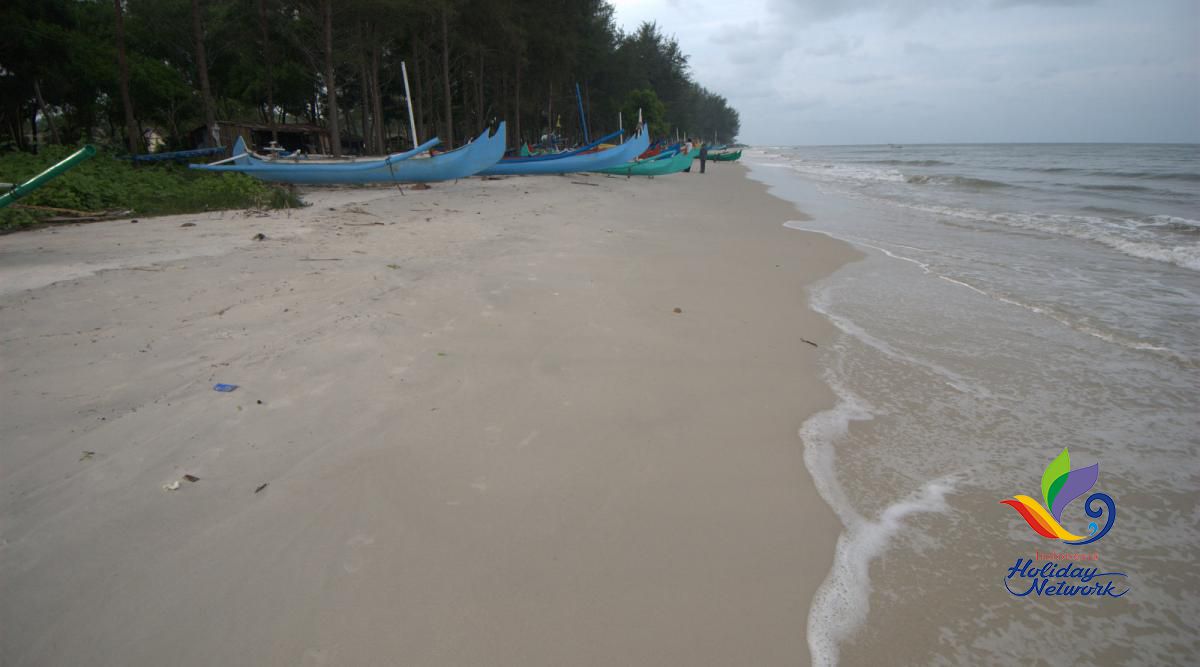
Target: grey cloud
point(745, 56)
point(899, 11)
point(861, 79)
point(735, 33)
point(838, 46)
point(1004, 4)
point(920, 49)
point(810, 71)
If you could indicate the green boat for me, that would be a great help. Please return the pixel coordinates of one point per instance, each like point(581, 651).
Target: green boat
point(652, 167)
point(725, 157)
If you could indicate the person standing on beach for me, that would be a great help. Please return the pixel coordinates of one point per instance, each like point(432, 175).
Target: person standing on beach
point(703, 156)
point(687, 150)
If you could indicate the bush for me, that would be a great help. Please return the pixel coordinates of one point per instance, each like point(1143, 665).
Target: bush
point(105, 183)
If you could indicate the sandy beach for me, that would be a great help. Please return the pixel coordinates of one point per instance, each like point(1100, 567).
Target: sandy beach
point(526, 421)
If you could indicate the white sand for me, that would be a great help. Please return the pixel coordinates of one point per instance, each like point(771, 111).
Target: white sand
point(488, 437)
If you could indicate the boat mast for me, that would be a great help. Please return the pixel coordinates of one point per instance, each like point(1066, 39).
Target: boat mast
point(582, 117)
point(412, 124)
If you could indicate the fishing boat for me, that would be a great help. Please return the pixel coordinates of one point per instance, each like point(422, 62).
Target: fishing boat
point(659, 148)
point(725, 157)
point(177, 156)
point(661, 165)
point(578, 160)
point(406, 167)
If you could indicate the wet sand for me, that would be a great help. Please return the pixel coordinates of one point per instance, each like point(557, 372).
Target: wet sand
point(528, 421)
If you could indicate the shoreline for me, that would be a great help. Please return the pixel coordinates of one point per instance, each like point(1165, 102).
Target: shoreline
point(485, 430)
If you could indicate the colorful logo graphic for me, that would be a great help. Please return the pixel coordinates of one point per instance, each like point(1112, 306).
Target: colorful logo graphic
point(1061, 485)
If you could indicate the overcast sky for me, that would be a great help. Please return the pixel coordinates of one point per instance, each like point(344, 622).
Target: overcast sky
point(930, 71)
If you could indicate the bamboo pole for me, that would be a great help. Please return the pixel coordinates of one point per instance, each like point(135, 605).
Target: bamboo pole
point(412, 123)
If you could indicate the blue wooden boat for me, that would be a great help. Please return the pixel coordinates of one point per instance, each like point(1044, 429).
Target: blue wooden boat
point(578, 160)
point(178, 156)
point(406, 167)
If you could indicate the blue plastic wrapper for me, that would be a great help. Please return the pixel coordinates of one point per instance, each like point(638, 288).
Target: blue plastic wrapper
point(224, 387)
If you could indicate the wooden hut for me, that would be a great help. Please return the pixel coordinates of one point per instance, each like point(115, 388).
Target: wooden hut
point(293, 136)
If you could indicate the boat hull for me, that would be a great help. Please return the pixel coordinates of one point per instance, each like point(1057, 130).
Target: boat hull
point(403, 168)
point(725, 157)
point(573, 162)
point(655, 167)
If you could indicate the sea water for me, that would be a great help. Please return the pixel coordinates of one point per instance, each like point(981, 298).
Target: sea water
point(1015, 300)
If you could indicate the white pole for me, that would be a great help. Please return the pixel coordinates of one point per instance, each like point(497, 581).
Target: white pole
point(621, 126)
point(639, 127)
point(412, 124)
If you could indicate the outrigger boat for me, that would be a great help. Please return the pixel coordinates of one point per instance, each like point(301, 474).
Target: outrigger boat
point(578, 160)
point(485, 151)
point(725, 157)
point(659, 165)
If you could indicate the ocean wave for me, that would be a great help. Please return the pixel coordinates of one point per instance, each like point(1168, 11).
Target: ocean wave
point(914, 163)
point(956, 181)
point(1163, 175)
point(1079, 324)
point(819, 303)
point(1133, 237)
point(1184, 256)
point(1106, 187)
point(1140, 175)
point(839, 172)
point(1051, 170)
point(1172, 223)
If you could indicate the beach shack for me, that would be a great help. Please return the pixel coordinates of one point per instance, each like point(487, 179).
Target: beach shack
point(291, 137)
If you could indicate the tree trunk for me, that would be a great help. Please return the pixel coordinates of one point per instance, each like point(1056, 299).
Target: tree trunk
point(517, 104)
point(263, 28)
point(335, 136)
point(131, 136)
point(210, 112)
point(377, 99)
point(368, 123)
point(446, 76)
point(418, 88)
point(37, 91)
point(479, 94)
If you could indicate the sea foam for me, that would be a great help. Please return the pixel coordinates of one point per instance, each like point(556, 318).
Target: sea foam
point(842, 603)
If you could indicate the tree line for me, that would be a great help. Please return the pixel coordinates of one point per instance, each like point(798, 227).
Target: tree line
point(116, 70)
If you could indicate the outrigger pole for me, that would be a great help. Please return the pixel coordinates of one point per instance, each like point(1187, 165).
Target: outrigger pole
point(22, 189)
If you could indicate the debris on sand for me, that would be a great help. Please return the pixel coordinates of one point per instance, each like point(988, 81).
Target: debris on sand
point(224, 387)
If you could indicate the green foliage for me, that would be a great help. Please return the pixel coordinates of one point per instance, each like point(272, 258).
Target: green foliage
point(513, 60)
point(105, 183)
point(654, 112)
